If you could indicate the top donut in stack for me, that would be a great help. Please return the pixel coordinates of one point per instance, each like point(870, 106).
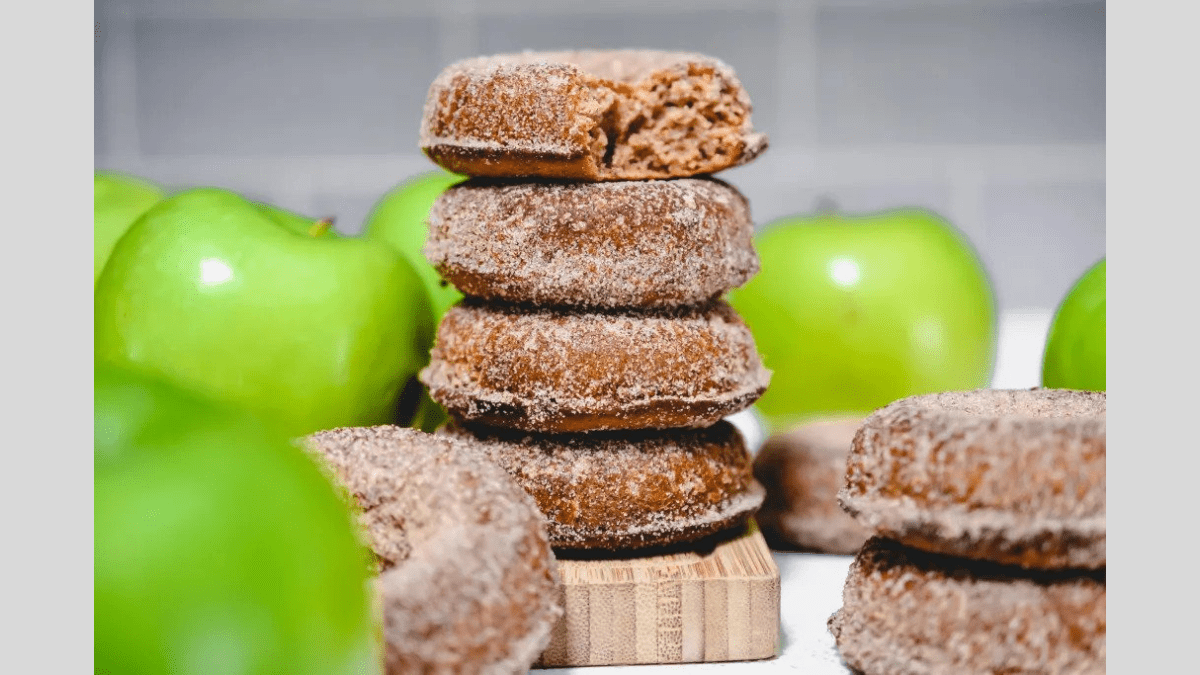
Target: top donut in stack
point(589, 116)
point(593, 355)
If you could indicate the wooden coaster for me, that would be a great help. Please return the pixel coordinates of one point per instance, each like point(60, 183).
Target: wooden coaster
point(719, 603)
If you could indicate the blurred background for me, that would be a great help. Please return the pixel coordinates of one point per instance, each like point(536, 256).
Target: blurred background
point(989, 112)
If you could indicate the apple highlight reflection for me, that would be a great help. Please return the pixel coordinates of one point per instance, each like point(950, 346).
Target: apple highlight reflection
point(214, 272)
point(845, 272)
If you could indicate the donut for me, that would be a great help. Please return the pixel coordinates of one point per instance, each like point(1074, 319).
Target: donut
point(909, 612)
point(553, 370)
point(589, 116)
point(1012, 476)
point(628, 490)
point(628, 244)
point(802, 470)
point(467, 580)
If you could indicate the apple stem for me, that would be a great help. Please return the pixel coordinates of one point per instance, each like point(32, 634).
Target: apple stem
point(320, 227)
point(825, 205)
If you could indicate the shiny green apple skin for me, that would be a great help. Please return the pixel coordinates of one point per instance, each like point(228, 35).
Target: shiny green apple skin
point(852, 312)
point(219, 546)
point(118, 200)
point(240, 302)
point(401, 218)
point(1075, 346)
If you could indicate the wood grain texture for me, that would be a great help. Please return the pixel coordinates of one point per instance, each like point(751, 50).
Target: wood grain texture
point(720, 604)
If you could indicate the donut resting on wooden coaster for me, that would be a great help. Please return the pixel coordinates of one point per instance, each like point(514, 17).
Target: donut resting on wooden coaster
point(909, 612)
point(630, 489)
point(627, 244)
point(467, 579)
point(802, 470)
point(1012, 476)
point(552, 370)
point(589, 116)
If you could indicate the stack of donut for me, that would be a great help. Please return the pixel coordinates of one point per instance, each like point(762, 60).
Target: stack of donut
point(988, 510)
point(593, 357)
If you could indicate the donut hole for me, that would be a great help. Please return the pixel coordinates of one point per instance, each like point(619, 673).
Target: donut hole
point(604, 124)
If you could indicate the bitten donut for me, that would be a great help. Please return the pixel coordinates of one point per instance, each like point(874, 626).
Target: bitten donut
point(628, 244)
point(467, 579)
point(550, 370)
point(589, 116)
point(802, 470)
point(628, 490)
point(1012, 476)
point(908, 612)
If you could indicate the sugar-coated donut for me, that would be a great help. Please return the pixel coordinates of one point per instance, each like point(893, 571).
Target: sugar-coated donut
point(626, 244)
point(1012, 476)
point(631, 489)
point(802, 470)
point(909, 612)
point(551, 370)
point(468, 582)
point(589, 115)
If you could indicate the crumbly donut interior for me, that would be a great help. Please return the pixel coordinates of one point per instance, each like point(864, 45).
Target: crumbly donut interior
point(672, 120)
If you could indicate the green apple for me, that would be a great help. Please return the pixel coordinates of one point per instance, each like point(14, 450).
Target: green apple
point(401, 218)
point(219, 546)
point(1075, 350)
point(852, 312)
point(118, 200)
point(259, 307)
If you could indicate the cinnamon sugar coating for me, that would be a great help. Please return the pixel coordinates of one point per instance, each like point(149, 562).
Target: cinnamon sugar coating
point(468, 581)
point(631, 489)
point(589, 115)
point(1012, 476)
point(626, 244)
point(551, 370)
point(908, 612)
point(802, 470)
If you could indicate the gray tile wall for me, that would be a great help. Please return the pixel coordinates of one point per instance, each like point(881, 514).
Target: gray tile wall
point(990, 112)
point(966, 73)
point(280, 86)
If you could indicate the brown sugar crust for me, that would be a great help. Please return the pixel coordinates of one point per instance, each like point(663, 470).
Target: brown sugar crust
point(628, 490)
point(550, 370)
point(802, 470)
point(908, 612)
point(467, 580)
point(1012, 476)
point(627, 244)
point(589, 115)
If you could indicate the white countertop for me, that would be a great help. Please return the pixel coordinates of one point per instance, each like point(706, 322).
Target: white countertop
point(811, 584)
